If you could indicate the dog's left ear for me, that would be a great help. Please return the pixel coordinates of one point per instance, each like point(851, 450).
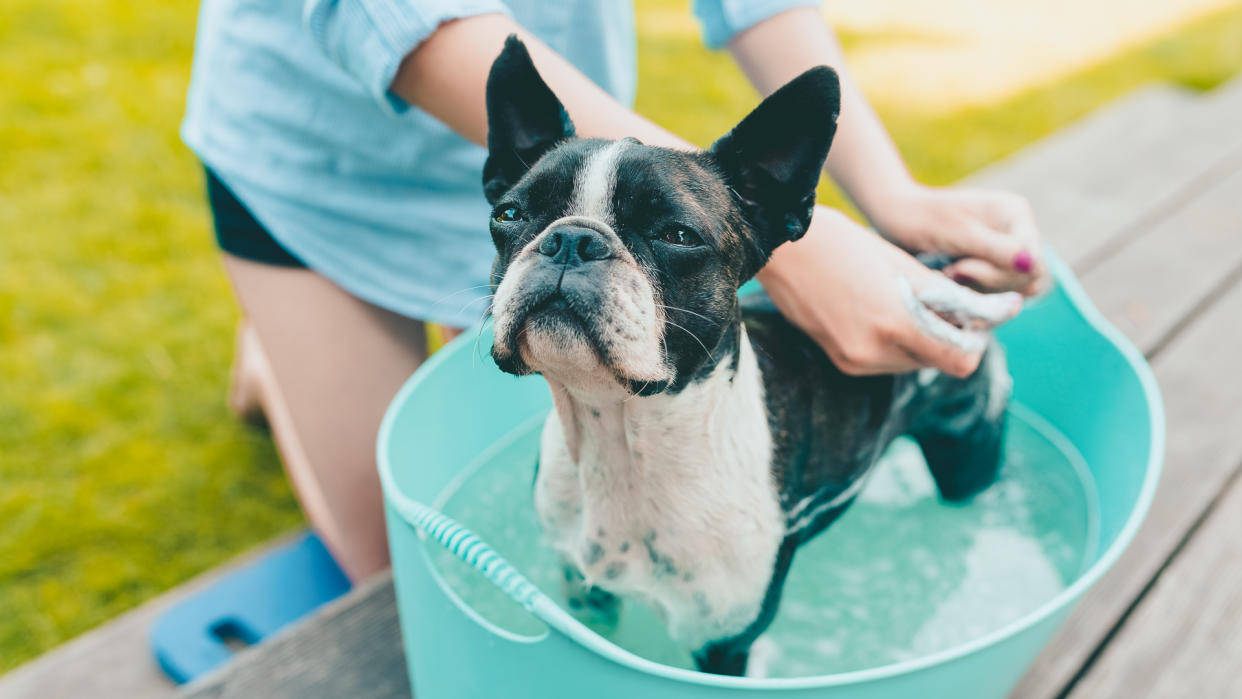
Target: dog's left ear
point(772, 159)
point(524, 119)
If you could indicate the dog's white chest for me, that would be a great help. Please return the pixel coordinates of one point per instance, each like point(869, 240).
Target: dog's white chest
point(669, 498)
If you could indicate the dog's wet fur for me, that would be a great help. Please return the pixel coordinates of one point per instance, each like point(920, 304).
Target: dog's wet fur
point(697, 439)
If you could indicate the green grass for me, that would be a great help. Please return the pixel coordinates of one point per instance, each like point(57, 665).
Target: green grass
point(121, 471)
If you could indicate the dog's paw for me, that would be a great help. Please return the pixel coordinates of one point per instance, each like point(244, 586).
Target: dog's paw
point(598, 609)
point(595, 607)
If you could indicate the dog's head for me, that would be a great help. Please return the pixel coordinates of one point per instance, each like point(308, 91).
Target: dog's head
point(619, 263)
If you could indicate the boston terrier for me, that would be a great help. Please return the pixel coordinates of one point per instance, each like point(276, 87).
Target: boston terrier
point(696, 442)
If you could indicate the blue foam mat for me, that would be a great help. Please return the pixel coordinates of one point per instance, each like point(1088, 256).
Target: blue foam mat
point(245, 607)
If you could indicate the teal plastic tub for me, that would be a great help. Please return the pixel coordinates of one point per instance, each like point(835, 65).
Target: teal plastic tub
point(1068, 364)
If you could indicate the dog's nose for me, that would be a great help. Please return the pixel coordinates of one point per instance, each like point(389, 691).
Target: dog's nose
point(573, 245)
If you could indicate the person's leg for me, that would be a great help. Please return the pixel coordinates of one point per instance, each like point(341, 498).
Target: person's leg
point(323, 366)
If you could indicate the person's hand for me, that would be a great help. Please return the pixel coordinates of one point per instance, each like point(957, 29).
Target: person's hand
point(990, 233)
point(873, 308)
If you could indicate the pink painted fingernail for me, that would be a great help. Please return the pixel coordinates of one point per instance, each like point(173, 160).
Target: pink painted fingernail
point(963, 279)
point(1023, 262)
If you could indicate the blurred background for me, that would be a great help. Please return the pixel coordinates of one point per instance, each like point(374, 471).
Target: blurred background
point(122, 473)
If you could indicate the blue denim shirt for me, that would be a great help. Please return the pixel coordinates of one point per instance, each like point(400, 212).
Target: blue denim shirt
point(289, 105)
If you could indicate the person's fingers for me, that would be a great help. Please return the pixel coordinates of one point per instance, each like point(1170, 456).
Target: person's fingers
point(1040, 274)
point(967, 309)
point(1014, 215)
point(975, 239)
point(891, 360)
point(953, 347)
point(1038, 287)
point(931, 351)
point(981, 274)
point(951, 323)
point(869, 354)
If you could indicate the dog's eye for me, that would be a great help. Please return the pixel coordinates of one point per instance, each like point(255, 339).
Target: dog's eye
point(507, 214)
point(683, 237)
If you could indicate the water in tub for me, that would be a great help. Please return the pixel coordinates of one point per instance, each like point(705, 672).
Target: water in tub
point(901, 575)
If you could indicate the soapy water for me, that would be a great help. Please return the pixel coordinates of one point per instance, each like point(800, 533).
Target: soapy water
point(899, 576)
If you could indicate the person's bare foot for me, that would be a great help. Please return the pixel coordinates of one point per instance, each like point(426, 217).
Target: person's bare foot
point(246, 380)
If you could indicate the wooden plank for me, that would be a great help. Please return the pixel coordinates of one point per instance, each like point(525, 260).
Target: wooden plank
point(349, 648)
point(114, 659)
point(1097, 181)
point(1185, 639)
point(1155, 282)
point(1203, 401)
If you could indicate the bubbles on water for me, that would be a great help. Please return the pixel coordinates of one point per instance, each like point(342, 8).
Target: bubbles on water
point(902, 478)
point(983, 586)
point(899, 576)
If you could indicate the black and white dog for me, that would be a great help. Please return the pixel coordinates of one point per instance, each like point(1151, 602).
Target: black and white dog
point(695, 443)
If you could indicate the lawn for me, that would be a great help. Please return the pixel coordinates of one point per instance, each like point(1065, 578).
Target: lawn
point(121, 471)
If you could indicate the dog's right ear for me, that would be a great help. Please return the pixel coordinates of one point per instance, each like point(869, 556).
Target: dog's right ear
point(772, 159)
point(524, 119)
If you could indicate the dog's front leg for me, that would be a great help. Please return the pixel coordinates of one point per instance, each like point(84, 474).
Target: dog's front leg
point(730, 655)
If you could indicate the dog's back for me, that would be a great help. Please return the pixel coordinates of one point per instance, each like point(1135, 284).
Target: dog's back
point(829, 428)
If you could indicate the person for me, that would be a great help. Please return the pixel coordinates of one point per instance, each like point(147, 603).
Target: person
point(341, 141)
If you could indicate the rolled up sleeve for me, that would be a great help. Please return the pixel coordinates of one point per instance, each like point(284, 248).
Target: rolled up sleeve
point(721, 20)
point(369, 38)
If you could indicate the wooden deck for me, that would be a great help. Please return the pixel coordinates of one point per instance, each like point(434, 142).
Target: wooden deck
point(1144, 200)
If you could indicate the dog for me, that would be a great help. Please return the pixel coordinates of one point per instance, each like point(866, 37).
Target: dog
point(696, 441)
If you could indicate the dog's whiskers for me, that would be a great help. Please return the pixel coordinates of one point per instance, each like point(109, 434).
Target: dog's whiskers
point(474, 351)
point(478, 333)
point(474, 301)
point(686, 310)
point(635, 394)
point(706, 351)
point(446, 297)
point(652, 272)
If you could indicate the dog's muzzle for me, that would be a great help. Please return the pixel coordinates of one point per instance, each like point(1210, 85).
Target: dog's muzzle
point(575, 297)
point(563, 281)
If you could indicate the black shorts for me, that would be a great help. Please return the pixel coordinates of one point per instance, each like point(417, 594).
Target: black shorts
point(237, 231)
